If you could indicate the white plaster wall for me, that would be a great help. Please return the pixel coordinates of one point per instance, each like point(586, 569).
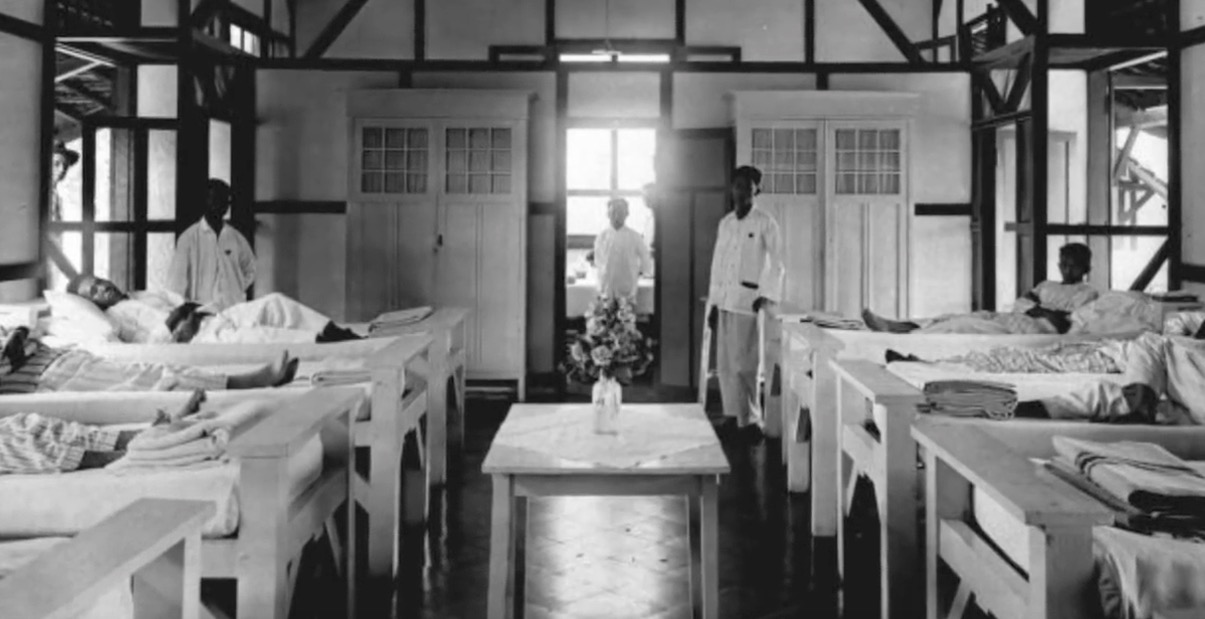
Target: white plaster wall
point(624, 95)
point(1069, 114)
point(465, 29)
point(940, 281)
point(1192, 153)
point(542, 141)
point(157, 91)
point(845, 32)
point(162, 12)
point(302, 138)
point(379, 30)
point(303, 256)
point(765, 30)
point(1192, 14)
point(20, 143)
point(29, 10)
point(701, 99)
point(629, 19)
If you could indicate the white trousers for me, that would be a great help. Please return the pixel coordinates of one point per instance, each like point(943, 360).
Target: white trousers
point(736, 364)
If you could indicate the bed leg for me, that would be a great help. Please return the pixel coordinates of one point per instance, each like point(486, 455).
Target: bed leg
point(384, 487)
point(897, 513)
point(947, 497)
point(437, 413)
point(1060, 573)
point(169, 585)
point(263, 539)
point(826, 455)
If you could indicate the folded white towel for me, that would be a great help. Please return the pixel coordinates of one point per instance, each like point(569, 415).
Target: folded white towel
point(400, 318)
point(193, 427)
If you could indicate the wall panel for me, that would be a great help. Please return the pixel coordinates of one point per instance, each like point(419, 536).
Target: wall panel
point(628, 19)
point(701, 99)
point(763, 29)
point(465, 29)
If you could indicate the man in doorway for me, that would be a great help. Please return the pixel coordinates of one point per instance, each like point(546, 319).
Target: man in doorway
point(213, 264)
point(746, 277)
point(620, 254)
point(61, 162)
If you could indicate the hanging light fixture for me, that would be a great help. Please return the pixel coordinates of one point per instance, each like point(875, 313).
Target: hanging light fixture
point(607, 49)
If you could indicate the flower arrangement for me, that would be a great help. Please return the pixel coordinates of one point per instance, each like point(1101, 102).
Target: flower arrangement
point(612, 346)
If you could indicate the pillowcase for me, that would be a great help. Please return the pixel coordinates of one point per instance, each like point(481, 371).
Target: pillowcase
point(74, 315)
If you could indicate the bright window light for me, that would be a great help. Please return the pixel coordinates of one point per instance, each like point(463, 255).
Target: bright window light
point(644, 57)
point(236, 36)
point(589, 159)
point(585, 58)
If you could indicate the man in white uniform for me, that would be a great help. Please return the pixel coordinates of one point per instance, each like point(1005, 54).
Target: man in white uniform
point(620, 254)
point(746, 275)
point(213, 264)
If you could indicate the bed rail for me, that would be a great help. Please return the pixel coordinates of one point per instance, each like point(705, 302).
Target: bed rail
point(156, 542)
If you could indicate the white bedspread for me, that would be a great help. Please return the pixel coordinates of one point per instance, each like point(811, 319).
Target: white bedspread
point(115, 604)
point(69, 503)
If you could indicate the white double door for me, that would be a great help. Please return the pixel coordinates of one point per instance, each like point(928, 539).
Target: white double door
point(838, 189)
point(445, 227)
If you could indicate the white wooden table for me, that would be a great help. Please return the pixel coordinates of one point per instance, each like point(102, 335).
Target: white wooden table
point(551, 450)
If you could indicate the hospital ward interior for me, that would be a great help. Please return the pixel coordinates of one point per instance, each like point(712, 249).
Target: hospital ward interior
point(602, 309)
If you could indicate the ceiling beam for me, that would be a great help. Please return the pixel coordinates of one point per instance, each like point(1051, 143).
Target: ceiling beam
point(337, 25)
point(1020, 84)
point(1139, 82)
point(79, 70)
point(1020, 15)
point(893, 31)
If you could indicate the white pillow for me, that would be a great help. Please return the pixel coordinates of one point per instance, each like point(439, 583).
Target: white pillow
point(75, 315)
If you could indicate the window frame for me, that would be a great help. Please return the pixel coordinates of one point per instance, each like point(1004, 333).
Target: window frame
point(584, 241)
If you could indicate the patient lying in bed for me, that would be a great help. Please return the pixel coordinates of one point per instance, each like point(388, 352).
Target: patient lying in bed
point(1162, 378)
point(28, 366)
point(151, 317)
point(31, 443)
point(1046, 309)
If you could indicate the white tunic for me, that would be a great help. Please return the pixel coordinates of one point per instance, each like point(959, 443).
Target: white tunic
point(210, 268)
point(747, 263)
point(620, 257)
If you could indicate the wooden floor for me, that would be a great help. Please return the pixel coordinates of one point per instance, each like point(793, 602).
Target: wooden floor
point(623, 558)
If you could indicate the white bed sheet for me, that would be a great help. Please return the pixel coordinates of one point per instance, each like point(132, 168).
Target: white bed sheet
point(117, 603)
point(69, 503)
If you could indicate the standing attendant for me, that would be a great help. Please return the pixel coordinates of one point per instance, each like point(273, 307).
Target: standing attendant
point(746, 275)
point(620, 254)
point(61, 162)
point(213, 264)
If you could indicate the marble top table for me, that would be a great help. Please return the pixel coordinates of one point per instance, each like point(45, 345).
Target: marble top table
point(551, 450)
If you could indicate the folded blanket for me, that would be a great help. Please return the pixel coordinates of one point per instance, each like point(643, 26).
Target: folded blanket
point(970, 398)
point(1143, 475)
point(400, 318)
point(197, 439)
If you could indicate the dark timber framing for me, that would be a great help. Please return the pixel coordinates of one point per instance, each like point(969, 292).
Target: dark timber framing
point(893, 31)
point(336, 26)
point(1175, 197)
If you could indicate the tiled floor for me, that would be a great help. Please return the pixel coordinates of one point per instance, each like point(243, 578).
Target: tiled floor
point(621, 557)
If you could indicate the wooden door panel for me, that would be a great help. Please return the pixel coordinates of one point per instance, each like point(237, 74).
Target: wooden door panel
point(674, 262)
point(499, 304)
point(884, 271)
point(390, 257)
point(458, 269)
point(845, 259)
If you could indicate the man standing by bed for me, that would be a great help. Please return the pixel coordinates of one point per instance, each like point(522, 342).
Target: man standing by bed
point(746, 276)
point(214, 264)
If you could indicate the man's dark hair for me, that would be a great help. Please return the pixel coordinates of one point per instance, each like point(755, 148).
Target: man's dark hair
point(747, 172)
point(217, 184)
point(1078, 253)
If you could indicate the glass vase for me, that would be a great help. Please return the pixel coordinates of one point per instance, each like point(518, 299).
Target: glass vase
point(608, 399)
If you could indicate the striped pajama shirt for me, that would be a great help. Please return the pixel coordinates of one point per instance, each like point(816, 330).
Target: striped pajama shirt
point(49, 369)
point(32, 443)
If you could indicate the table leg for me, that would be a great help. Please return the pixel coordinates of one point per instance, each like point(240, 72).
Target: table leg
point(519, 537)
point(502, 547)
point(693, 540)
point(710, 533)
point(437, 407)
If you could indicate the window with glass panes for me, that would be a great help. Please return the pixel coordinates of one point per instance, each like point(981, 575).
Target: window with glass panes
point(477, 160)
point(117, 207)
point(394, 160)
point(788, 159)
point(606, 163)
point(868, 162)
